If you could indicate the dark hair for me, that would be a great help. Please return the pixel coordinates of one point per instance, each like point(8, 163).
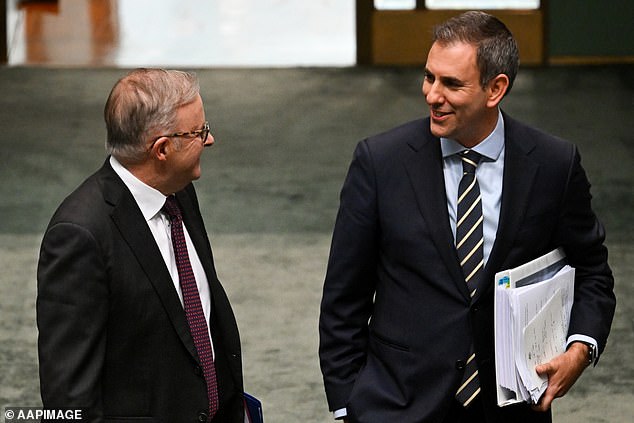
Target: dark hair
point(497, 51)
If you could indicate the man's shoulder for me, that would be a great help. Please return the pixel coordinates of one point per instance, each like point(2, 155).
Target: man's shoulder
point(86, 204)
point(414, 134)
point(536, 142)
point(413, 128)
point(523, 131)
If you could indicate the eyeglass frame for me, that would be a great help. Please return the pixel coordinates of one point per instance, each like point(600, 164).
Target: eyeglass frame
point(197, 133)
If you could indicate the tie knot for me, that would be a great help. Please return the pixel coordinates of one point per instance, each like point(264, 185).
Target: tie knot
point(171, 207)
point(470, 160)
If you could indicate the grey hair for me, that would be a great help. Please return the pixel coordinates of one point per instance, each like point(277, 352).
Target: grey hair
point(497, 51)
point(143, 103)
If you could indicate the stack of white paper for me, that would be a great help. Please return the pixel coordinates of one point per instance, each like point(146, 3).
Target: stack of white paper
point(532, 313)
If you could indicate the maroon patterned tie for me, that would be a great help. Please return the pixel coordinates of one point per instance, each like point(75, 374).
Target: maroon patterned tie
point(193, 306)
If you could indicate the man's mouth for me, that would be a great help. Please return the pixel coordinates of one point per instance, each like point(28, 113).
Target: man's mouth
point(438, 114)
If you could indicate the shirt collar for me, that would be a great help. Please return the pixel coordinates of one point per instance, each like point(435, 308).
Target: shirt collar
point(490, 147)
point(150, 200)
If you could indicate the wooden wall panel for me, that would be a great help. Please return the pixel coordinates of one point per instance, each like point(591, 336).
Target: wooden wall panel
point(404, 37)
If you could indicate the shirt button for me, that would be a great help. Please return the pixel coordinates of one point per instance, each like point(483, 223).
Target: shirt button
point(202, 417)
point(460, 364)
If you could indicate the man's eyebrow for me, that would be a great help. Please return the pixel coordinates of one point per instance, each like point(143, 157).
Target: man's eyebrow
point(446, 80)
point(198, 127)
point(451, 81)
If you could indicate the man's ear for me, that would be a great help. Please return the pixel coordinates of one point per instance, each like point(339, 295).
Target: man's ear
point(496, 89)
point(160, 149)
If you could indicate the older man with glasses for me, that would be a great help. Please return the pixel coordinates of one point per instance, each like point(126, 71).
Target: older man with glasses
point(133, 322)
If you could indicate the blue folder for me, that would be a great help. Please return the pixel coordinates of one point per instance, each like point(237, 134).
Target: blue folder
point(253, 409)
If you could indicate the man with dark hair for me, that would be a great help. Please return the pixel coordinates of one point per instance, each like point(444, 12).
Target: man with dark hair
point(429, 212)
point(133, 322)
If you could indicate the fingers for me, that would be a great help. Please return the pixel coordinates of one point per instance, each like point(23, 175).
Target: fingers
point(545, 369)
point(562, 372)
point(545, 401)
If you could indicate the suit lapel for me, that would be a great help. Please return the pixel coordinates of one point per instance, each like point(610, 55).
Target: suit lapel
point(518, 181)
point(424, 167)
point(196, 229)
point(198, 234)
point(132, 226)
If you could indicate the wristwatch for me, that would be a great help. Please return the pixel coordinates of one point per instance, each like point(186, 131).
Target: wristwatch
point(592, 352)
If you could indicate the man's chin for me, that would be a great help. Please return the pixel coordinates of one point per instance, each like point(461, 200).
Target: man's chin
point(438, 131)
point(196, 173)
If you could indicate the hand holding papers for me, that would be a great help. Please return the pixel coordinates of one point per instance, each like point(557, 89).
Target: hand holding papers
point(532, 313)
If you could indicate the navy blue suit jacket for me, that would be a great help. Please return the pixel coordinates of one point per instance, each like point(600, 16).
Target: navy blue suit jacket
point(396, 316)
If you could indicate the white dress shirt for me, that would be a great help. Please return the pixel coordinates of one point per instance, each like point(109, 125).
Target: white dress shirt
point(151, 201)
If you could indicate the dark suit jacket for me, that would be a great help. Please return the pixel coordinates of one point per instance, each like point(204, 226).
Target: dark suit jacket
point(113, 337)
point(395, 356)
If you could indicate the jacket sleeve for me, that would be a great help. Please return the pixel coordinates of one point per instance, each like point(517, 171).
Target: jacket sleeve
point(71, 318)
point(350, 282)
point(582, 236)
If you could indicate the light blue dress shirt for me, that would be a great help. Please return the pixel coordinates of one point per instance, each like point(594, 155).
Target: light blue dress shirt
point(489, 173)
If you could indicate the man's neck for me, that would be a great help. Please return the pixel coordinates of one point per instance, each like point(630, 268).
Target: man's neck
point(147, 173)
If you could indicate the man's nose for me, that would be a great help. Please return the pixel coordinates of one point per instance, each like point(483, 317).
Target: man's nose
point(433, 93)
point(209, 141)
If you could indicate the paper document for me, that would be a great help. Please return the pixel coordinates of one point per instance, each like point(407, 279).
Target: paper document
point(532, 314)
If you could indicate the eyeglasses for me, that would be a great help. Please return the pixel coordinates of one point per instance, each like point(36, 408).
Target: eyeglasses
point(202, 133)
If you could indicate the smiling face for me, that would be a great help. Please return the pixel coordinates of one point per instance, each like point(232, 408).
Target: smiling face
point(460, 108)
point(185, 162)
point(174, 160)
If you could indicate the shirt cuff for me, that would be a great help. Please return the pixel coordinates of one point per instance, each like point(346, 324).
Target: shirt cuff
point(587, 340)
point(341, 413)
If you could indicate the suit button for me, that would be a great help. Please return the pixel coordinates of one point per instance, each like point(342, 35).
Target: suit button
point(198, 371)
point(460, 364)
point(202, 417)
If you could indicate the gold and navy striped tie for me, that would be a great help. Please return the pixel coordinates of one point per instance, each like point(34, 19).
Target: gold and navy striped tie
point(469, 240)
